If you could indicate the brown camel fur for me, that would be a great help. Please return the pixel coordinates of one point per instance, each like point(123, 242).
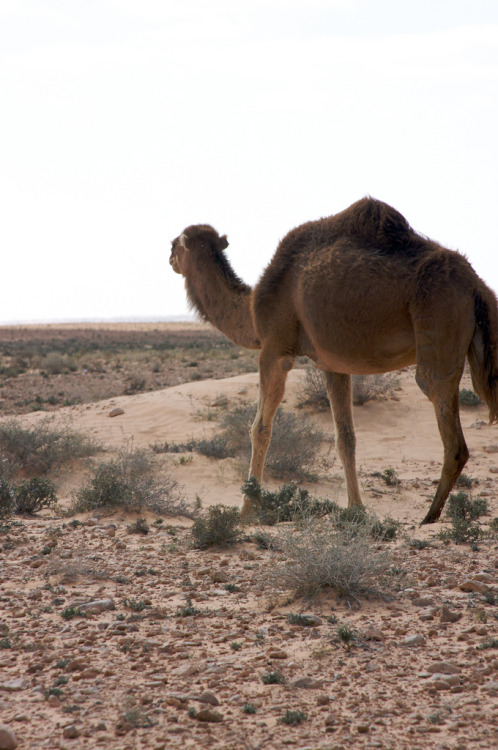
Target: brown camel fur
point(359, 292)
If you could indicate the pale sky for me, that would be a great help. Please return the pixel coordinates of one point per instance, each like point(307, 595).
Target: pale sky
point(123, 121)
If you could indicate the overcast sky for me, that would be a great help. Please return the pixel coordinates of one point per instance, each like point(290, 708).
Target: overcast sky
point(123, 121)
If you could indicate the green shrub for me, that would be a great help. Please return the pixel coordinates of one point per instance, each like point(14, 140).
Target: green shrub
point(33, 495)
point(218, 527)
point(273, 678)
point(463, 510)
point(287, 503)
point(40, 449)
point(293, 718)
point(469, 398)
point(131, 480)
point(7, 503)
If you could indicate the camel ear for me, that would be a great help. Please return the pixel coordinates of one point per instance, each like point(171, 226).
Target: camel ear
point(223, 242)
point(183, 241)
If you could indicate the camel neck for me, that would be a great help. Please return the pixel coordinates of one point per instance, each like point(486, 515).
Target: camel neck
point(222, 299)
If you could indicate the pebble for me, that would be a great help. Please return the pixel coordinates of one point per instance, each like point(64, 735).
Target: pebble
point(308, 682)
point(448, 615)
point(443, 667)
point(471, 585)
point(206, 697)
point(373, 634)
point(117, 412)
point(12, 686)
point(207, 714)
point(98, 606)
point(414, 640)
point(71, 732)
point(8, 739)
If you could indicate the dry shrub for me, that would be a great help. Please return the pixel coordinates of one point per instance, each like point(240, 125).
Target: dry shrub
point(218, 527)
point(294, 451)
point(40, 449)
point(131, 480)
point(365, 388)
point(328, 553)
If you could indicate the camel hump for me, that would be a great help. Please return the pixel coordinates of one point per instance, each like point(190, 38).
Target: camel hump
point(379, 224)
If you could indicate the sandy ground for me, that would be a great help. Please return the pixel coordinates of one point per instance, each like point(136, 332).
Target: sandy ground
point(141, 672)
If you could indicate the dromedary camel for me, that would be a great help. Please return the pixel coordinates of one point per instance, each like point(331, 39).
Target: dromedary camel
point(359, 292)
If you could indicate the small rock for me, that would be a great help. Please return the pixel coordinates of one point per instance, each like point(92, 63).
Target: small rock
point(363, 728)
point(330, 720)
point(276, 653)
point(98, 606)
point(207, 714)
point(447, 615)
point(53, 701)
point(491, 448)
point(8, 740)
point(13, 686)
point(117, 412)
point(471, 585)
point(423, 601)
point(71, 732)
point(4, 628)
point(185, 670)
point(427, 613)
point(443, 667)
point(483, 577)
point(373, 634)
point(309, 683)
point(219, 576)
point(491, 687)
point(477, 424)
point(414, 640)
point(207, 697)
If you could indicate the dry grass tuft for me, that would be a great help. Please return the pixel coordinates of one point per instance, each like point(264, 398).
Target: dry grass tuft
point(328, 553)
point(365, 388)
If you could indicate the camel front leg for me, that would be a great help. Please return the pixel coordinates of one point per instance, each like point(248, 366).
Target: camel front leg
point(272, 376)
point(341, 401)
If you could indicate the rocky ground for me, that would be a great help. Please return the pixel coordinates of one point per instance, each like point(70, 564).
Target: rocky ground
point(127, 640)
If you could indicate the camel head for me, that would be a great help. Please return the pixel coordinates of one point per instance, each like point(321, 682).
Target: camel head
point(199, 239)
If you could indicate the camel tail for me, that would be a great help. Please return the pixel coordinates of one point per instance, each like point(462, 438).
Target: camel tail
point(483, 350)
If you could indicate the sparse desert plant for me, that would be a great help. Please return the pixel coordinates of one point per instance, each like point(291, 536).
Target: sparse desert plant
point(131, 480)
point(273, 678)
point(289, 502)
point(33, 495)
point(389, 476)
point(467, 397)
point(140, 526)
point(465, 481)
point(371, 387)
point(295, 445)
point(7, 503)
point(249, 708)
point(40, 449)
point(346, 635)
point(298, 619)
point(328, 553)
point(56, 363)
point(293, 718)
point(218, 527)
point(463, 511)
point(313, 391)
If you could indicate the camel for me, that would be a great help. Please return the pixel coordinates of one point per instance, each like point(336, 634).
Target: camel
point(359, 292)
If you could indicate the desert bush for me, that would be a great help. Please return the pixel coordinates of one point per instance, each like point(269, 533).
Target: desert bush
point(40, 449)
point(463, 511)
point(467, 397)
point(287, 503)
point(327, 553)
point(313, 391)
point(218, 527)
point(56, 363)
point(293, 718)
point(33, 495)
point(7, 503)
point(294, 450)
point(133, 481)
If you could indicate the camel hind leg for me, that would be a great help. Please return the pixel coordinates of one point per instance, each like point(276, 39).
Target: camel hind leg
point(440, 362)
point(341, 401)
point(272, 376)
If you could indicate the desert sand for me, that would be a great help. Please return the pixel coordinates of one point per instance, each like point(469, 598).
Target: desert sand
point(137, 670)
